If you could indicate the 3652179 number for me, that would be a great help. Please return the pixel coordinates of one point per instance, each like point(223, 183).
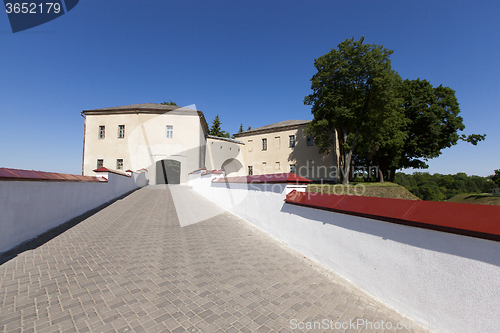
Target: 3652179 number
point(32, 8)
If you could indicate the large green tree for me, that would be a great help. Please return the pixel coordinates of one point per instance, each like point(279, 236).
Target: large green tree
point(432, 124)
point(378, 119)
point(496, 177)
point(216, 129)
point(354, 90)
point(382, 149)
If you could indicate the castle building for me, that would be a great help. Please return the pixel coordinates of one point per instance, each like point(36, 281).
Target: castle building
point(285, 147)
point(170, 141)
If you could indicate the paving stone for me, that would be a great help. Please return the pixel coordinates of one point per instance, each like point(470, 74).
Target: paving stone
point(131, 267)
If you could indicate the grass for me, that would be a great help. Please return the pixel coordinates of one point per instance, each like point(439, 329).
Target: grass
point(482, 199)
point(375, 184)
point(372, 189)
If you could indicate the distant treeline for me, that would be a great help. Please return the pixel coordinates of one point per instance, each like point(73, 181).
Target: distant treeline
point(439, 187)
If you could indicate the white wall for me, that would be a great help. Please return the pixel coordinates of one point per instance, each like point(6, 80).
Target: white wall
point(29, 208)
point(448, 282)
point(227, 155)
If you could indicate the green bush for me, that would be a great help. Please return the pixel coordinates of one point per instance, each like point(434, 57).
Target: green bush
point(439, 187)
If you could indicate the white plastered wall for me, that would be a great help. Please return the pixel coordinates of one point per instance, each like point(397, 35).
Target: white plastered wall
point(221, 154)
point(30, 208)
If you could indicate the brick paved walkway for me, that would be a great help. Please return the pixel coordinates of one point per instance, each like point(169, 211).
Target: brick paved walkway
point(132, 267)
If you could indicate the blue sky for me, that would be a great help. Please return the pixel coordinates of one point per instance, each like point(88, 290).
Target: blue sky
point(248, 61)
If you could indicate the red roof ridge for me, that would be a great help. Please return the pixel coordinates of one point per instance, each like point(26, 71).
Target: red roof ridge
point(7, 174)
point(118, 172)
point(452, 217)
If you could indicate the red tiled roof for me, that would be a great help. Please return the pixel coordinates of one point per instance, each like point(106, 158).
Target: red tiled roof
point(269, 178)
point(138, 171)
point(118, 172)
point(31, 175)
point(217, 172)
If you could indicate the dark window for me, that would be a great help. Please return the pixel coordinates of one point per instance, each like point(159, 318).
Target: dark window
point(264, 144)
point(250, 170)
point(121, 131)
point(292, 141)
point(102, 132)
point(292, 168)
point(119, 164)
point(100, 163)
point(310, 140)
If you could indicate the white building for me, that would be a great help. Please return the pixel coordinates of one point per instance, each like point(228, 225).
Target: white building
point(167, 140)
point(285, 147)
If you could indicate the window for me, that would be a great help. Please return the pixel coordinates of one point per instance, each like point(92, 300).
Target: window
point(119, 164)
point(170, 131)
point(102, 132)
point(264, 144)
point(277, 142)
point(292, 168)
point(100, 163)
point(121, 131)
point(292, 141)
point(264, 166)
point(250, 170)
point(250, 145)
point(310, 140)
point(277, 166)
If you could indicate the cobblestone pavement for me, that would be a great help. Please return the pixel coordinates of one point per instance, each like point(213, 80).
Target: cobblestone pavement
point(132, 267)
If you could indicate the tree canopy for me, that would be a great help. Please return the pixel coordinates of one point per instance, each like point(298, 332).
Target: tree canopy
point(496, 177)
point(430, 124)
point(439, 187)
point(169, 103)
point(377, 118)
point(216, 129)
point(354, 90)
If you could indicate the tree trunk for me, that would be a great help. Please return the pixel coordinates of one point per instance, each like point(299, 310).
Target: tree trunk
point(347, 167)
point(348, 158)
point(337, 156)
point(381, 175)
point(393, 174)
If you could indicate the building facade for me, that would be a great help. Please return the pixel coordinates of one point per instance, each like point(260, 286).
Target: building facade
point(170, 142)
point(285, 147)
point(167, 140)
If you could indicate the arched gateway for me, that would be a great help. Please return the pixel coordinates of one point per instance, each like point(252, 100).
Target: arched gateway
point(168, 172)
